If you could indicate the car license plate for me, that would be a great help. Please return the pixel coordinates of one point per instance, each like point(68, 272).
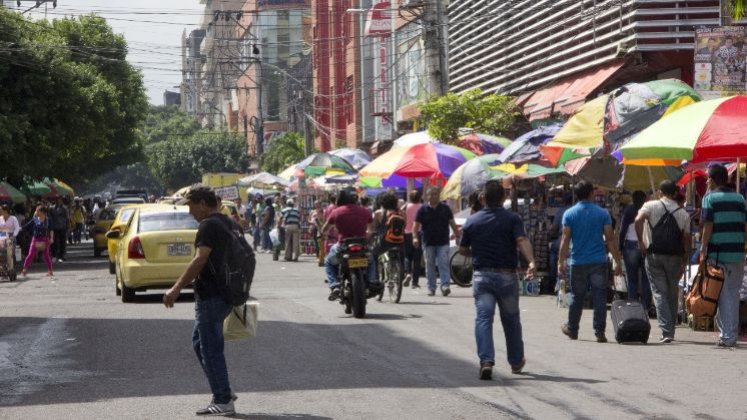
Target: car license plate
point(358, 263)
point(179, 250)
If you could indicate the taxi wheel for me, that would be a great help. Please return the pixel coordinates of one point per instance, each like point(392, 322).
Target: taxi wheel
point(117, 290)
point(112, 268)
point(96, 252)
point(128, 294)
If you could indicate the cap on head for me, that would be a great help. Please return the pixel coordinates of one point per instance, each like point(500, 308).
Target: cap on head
point(289, 202)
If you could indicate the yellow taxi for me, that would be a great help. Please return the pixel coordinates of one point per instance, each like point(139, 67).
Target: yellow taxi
point(230, 209)
point(154, 248)
point(120, 222)
point(104, 222)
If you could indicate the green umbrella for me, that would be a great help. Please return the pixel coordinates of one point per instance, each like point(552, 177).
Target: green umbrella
point(35, 188)
point(62, 188)
point(10, 193)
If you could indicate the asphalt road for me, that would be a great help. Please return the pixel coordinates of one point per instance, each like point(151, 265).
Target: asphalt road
point(69, 349)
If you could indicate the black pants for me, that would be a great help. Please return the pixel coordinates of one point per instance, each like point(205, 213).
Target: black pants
point(413, 256)
point(60, 243)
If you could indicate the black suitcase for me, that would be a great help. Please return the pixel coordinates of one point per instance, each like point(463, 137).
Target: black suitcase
point(630, 321)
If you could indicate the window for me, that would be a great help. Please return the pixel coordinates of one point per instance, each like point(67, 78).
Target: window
point(164, 221)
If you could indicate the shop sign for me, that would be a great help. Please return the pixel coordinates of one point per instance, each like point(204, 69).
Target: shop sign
point(720, 57)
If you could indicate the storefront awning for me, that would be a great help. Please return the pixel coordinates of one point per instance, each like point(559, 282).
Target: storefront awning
point(567, 95)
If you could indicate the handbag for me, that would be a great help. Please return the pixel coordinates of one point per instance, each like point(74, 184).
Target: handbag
point(241, 322)
point(702, 300)
point(40, 246)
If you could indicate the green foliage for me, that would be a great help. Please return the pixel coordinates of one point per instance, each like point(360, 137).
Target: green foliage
point(283, 151)
point(179, 161)
point(70, 103)
point(738, 8)
point(489, 114)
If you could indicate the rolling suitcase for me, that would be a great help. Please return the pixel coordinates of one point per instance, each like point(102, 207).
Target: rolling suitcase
point(630, 321)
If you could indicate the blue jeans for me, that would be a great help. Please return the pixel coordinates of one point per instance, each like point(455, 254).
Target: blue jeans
point(207, 341)
point(582, 278)
point(332, 263)
point(437, 256)
point(635, 269)
point(727, 315)
point(257, 236)
point(266, 240)
point(488, 290)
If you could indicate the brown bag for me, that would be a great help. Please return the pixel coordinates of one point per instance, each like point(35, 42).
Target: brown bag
point(703, 297)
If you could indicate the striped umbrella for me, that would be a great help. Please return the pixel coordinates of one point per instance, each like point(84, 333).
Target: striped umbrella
point(10, 193)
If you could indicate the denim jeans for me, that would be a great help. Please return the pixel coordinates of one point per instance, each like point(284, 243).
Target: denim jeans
point(488, 290)
point(257, 237)
point(332, 263)
point(207, 341)
point(727, 315)
point(582, 278)
point(266, 240)
point(635, 269)
point(665, 271)
point(437, 256)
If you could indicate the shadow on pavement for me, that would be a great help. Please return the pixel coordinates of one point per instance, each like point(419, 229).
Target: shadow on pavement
point(264, 416)
point(550, 378)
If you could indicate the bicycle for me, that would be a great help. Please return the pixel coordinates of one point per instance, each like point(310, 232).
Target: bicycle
point(391, 274)
point(461, 269)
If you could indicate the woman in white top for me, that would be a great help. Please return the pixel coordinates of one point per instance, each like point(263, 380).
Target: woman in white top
point(8, 223)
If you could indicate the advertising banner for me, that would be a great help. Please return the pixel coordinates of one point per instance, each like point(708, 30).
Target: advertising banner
point(720, 61)
point(230, 192)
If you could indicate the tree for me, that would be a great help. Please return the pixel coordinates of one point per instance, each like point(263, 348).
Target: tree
point(489, 114)
point(180, 161)
point(283, 151)
point(70, 103)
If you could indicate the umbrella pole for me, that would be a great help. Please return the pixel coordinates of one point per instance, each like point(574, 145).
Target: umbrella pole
point(651, 179)
point(738, 183)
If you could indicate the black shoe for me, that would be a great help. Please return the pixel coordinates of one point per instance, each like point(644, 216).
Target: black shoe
point(723, 345)
point(564, 329)
point(486, 371)
point(374, 289)
point(334, 294)
point(601, 338)
point(445, 291)
point(415, 285)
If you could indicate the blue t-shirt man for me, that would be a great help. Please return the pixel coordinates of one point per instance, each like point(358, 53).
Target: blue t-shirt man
point(587, 221)
point(492, 234)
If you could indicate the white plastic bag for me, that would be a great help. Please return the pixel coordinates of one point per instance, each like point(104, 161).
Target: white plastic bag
point(275, 237)
point(241, 323)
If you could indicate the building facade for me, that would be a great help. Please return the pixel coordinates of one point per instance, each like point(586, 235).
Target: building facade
point(554, 55)
point(192, 60)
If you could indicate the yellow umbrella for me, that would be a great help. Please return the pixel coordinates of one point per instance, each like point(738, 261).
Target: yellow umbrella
point(585, 128)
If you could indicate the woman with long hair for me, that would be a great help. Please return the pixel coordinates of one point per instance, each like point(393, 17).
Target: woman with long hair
point(635, 270)
point(42, 238)
point(413, 255)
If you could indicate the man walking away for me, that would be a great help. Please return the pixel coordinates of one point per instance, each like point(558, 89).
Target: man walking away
point(586, 229)
point(291, 220)
point(268, 221)
point(491, 236)
point(210, 307)
point(60, 218)
point(434, 220)
point(723, 217)
point(663, 230)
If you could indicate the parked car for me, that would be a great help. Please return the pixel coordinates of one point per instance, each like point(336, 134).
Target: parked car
point(154, 248)
point(104, 222)
point(121, 219)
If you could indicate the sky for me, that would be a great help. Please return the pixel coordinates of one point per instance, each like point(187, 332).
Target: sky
point(153, 29)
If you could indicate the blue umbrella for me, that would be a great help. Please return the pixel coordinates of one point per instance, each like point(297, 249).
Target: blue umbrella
point(358, 158)
point(527, 147)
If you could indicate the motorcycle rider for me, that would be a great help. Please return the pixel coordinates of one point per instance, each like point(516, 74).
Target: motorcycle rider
point(351, 221)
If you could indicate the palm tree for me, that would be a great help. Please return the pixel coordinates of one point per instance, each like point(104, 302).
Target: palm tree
point(283, 151)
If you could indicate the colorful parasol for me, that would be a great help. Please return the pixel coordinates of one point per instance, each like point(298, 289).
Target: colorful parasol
point(320, 164)
point(471, 177)
point(10, 193)
point(609, 173)
point(713, 130)
point(263, 180)
point(483, 144)
point(358, 158)
point(527, 146)
point(35, 188)
point(413, 139)
point(61, 188)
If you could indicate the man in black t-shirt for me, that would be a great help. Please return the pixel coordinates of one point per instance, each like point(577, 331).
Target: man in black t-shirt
point(210, 307)
point(434, 220)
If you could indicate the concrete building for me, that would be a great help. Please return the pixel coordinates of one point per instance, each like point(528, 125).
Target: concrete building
point(172, 98)
point(274, 90)
point(192, 61)
point(555, 54)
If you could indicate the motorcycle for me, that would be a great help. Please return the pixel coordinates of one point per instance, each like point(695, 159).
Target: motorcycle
point(353, 271)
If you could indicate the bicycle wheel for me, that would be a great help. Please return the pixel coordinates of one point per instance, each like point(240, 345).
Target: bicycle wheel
point(381, 272)
point(396, 278)
point(461, 270)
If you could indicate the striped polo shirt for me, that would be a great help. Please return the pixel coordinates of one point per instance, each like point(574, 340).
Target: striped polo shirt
point(726, 209)
point(291, 216)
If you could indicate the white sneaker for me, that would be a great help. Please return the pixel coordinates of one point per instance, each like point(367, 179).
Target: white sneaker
point(217, 410)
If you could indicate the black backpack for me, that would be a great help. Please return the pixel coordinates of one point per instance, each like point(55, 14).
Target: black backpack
point(236, 271)
point(666, 236)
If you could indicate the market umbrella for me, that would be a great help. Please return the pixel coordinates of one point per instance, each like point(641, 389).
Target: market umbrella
point(10, 193)
point(358, 158)
point(713, 130)
point(471, 176)
point(483, 144)
point(263, 180)
point(527, 146)
point(181, 192)
point(290, 173)
point(320, 164)
point(34, 188)
point(429, 160)
point(62, 188)
point(412, 139)
point(609, 173)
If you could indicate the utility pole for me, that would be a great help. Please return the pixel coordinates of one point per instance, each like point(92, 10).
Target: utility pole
point(435, 58)
point(393, 13)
